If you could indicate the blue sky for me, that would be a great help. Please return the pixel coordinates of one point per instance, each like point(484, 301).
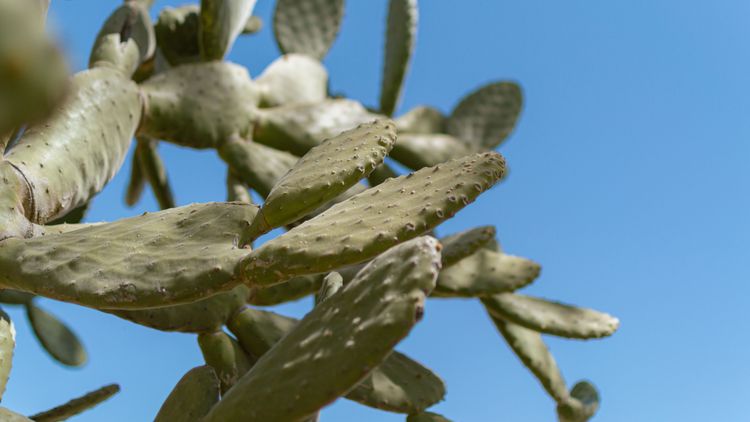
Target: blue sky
point(628, 184)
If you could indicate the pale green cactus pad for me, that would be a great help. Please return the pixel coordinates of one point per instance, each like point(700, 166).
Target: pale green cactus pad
point(205, 315)
point(7, 344)
point(236, 190)
point(70, 157)
point(7, 415)
point(327, 171)
point(487, 116)
point(423, 150)
point(33, 73)
point(582, 405)
point(169, 257)
point(56, 338)
point(373, 221)
point(427, 417)
point(257, 165)
point(192, 398)
point(307, 27)
point(154, 171)
point(552, 317)
point(347, 335)
point(221, 21)
point(400, 39)
point(298, 127)
point(199, 105)
point(222, 353)
point(532, 351)
point(486, 273)
point(177, 34)
point(132, 19)
point(293, 78)
point(460, 245)
point(296, 288)
point(332, 283)
point(422, 120)
point(77, 405)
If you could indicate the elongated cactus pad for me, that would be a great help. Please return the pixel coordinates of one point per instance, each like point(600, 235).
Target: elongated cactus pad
point(486, 273)
point(298, 127)
point(293, 78)
point(400, 39)
point(236, 190)
point(228, 361)
point(33, 74)
point(205, 315)
point(199, 105)
point(369, 223)
point(326, 171)
point(7, 344)
point(486, 117)
point(296, 288)
point(70, 157)
point(552, 317)
point(460, 245)
point(258, 166)
point(332, 283)
point(56, 338)
point(347, 335)
point(307, 27)
point(582, 404)
point(221, 21)
point(422, 120)
point(77, 405)
point(427, 417)
point(169, 257)
point(156, 174)
point(136, 183)
point(193, 396)
point(424, 150)
point(530, 348)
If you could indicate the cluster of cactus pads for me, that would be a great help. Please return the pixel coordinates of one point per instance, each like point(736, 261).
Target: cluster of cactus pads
point(358, 235)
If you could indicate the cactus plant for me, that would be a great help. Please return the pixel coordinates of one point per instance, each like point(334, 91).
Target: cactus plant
point(359, 236)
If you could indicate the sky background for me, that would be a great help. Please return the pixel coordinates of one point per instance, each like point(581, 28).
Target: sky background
point(628, 185)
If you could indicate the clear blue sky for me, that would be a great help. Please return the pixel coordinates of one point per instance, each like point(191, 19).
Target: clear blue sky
point(628, 183)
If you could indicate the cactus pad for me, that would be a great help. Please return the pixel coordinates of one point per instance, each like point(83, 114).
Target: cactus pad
point(221, 21)
point(7, 344)
point(293, 78)
point(460, 245)
point(486, 273)
point(56, 338)
point(307, 27)
point(400, 39)
point(193, 396)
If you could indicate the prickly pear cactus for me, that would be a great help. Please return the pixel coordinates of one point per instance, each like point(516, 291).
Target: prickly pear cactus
point(359, 236)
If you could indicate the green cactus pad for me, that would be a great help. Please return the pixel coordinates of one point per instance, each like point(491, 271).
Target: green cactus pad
point(347, 335)
point(56, 338)
point(77, 405)
point(460, 245)
point(15, 199)
point(290, 290)
point(253, 25)
point(33, 73)
point(192, 398)
point(327, 171)
point(307, 27)
point(400, 39)
point(530, 348)
point(427, 417)
point(582, 405)
point(367, 224)
point(136, 183)
point(205, 315)
point(112, 52)
point(73, 155)
point(133, 19)
point(155, 172)
point(236, 190)
point(177, 34)
point(332, 283)
point(169, 257)
point(7, 415)
point(228, 361)
point(487, 116)
point(552, 317)
point(398, 384)
point(422, 120)
point(417, 151)
point(199, 105)
point(297, 128)
point(258, 166)
point(486, 273)
point(14, 297)
point(7, 344)
point(221, 21)
point(293, 78)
